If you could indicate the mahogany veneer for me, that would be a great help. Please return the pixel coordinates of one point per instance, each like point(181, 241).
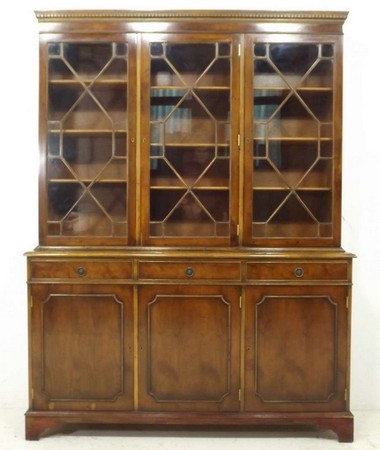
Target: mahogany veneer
point(189, 269)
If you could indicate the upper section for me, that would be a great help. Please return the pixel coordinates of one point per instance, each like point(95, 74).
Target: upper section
point(190, 128)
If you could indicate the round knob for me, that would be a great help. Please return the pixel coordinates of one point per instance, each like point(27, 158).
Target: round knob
point(298, 272)
point(81, 271)
point(189, 272)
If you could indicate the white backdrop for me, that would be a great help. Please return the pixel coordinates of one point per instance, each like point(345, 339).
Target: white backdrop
point(19, 169)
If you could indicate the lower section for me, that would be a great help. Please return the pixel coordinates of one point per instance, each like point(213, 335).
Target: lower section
point(183, 340)
point(46, 422)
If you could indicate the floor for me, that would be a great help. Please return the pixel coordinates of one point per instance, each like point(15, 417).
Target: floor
point(367, 437)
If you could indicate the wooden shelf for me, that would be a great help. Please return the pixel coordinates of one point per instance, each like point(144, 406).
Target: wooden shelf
point(86, 181)
point(88, 81)
point(169, 181)
point(188, 88)
point(190, 145)
point(315, 89)
point(83, 131)
point(304, 189)
point(295, 139)
point(185, 188)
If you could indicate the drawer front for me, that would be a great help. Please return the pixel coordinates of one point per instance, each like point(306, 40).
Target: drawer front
point(81, 269)
point(189, 270)
point(300, 271)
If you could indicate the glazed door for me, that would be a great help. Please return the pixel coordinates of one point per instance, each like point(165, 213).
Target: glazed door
point(293, 141)
point(189, 344)
point(87, 137)
point(296, 348)
point(190, 113)
point(81, 347)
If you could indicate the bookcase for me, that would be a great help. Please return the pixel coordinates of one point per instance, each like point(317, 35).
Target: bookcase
point(189, 268)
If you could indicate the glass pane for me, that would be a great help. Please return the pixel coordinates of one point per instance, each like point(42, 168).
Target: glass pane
point(293, 140)
point(190, 137)
point(87, 139)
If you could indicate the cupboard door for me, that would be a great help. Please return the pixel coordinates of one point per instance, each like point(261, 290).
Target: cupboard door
point(82, 347)
point(189, 357)
point(87, 139)
point(293, 130)
point(190, 118)
point(296, 348)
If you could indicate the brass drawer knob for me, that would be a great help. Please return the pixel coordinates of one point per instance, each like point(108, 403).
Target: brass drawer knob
point(189, 272)
point(81, 271)
point(298, 272)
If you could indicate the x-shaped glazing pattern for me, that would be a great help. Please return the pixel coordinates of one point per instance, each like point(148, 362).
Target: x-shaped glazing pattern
point(293, 97)
point(87, 122)
point(190, 119)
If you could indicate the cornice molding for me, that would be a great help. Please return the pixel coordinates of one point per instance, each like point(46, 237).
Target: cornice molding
point(225, 15)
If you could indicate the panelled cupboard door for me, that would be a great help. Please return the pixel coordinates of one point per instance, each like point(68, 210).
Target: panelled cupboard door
point(189, 348)
point(293, 140)
point(82, 347)
point(189, 121)
point(87, 126)
point(296, 348)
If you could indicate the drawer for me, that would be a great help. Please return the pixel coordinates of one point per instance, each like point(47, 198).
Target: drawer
point(81, 269)
point(188, 270)
point(294, 270)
